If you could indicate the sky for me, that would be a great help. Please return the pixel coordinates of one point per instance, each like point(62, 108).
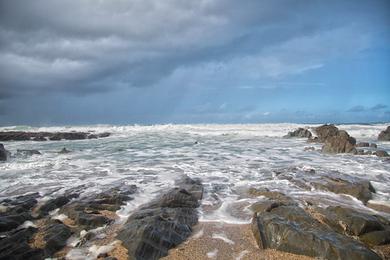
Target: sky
point(205, 61)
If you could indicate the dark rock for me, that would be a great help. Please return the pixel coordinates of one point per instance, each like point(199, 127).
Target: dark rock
point(4, 154)
point(340, 143)
point(360, 152)
point(360, 189)
point(350, 221)
point(16, 246)
point(25, 152)
point(163, 223)
point(300, 133)
point(309, 148)
point(326, 131)
point(55, 237)
point(86, 212)
point(43, 136)
point(64, 151)
point(362, 144)
point(384, 135)
point(381, 153)
point(55, 203)
point(291, 229)
point(376, 238)
point(373, 145)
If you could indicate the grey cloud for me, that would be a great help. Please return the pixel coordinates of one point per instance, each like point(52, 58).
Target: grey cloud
point(93, 46)
point(378, 107)
point(357, 109)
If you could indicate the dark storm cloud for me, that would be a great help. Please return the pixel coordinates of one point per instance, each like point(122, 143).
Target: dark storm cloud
point(378, 107)
point(50, 46)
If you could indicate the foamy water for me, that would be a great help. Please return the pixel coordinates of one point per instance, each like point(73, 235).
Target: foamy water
point(227, 158)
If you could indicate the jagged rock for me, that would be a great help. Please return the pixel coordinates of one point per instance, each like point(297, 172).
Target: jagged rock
point(15, 245)
point(326, 131)
point(340, 143)
point(381, 153)
point(17, 211)
point(25, 152)
point(291, 229)
point(384, 135)
point(86, 212)
point(300, 133)
point(55, 203)
point(363, 144)
point(4, 154)
point(163, 223)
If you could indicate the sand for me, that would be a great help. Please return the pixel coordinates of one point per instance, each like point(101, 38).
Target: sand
point(225, 241)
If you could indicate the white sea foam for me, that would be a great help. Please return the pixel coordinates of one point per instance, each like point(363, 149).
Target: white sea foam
point(225, 157)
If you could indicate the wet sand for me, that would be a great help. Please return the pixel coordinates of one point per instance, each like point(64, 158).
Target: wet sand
point(225, 241)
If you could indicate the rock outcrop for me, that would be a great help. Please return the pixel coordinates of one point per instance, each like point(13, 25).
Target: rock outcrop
point(3, 153)
point(325, 131)
point(44, 136)
point(339, 143)
point(384, 135)
point(163, 223)
point(300, 133)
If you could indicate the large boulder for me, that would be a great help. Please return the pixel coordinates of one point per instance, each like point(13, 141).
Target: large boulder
point(163, 223)
point(291, 229)
point(384, 135)
point(3, 153)
point(300, 133)
point(325, 131)
point(339, 143)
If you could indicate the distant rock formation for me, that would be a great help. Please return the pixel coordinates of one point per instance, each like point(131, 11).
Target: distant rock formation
point(44, 136)
point(300, 133)
point(384, 135)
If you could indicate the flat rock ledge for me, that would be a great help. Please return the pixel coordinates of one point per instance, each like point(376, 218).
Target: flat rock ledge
point(45, 136)
point(163, 223)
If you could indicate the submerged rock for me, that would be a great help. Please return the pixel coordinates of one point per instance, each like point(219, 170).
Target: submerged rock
point(381, 153)
point(27, 152)
point(163, 223)
point(300, 133)
point(384, 135)
point(291, 229)
point(363, 144)
point(64, 151)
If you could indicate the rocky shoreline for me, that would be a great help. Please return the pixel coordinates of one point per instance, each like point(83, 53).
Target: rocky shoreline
point(283, 226)
point(48, 136)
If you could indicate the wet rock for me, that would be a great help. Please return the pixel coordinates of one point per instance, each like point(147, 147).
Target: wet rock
point(350, 221)
point(55, 203)
point(25, 152)
point(339, 143)
point(384, 135)
point(326, 131)
point(64, 151)
point(360, 189)
point(363, 144)
point(360, 152)
point(381, 153)
point(291, 229)
point(87, 212)
point(56, 235)
point(163, 223)
point(376, 238)
point(4, 154)
point(373, 145)
point(300, 133)
point(16, 245)
point(43, 136)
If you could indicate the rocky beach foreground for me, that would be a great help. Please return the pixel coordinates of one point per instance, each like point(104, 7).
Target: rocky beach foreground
point(283, 211)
